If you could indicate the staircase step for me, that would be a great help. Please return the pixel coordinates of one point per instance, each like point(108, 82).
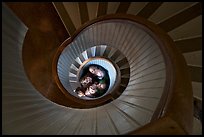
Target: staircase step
point(83, 10)
point(149, 9)
point(197, 89)
point(193, 58)
point(181, 18)
point(67, 21)
point(112, 7)
point(73, 12)
point(189, 45)
point(123, 7)
point(102, 8)
point(167, 10)
point(195, 73)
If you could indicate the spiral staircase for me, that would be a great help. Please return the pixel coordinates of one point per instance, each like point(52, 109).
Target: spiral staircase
point(44, 49)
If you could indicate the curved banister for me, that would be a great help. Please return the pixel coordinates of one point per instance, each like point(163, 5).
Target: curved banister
point(176, 100)
point(31, 113)
point(72, 38)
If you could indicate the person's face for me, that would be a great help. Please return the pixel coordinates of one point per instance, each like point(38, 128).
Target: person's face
point(101, 86)
point(96, 71)
point(80, 94)
point(92, 69)
point(92, 89)
point(86, 80)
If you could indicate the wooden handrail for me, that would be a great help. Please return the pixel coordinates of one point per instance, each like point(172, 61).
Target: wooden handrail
point(176, 103)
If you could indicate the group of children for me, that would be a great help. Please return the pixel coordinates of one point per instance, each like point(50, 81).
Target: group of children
point(94, 83)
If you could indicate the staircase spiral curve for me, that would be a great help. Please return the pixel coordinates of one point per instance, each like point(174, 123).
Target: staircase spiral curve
point(140, 51)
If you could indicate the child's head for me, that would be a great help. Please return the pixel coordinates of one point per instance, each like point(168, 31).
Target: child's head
point(101, 86)
point(96, 71)
point(79, 92)
point(86, 80)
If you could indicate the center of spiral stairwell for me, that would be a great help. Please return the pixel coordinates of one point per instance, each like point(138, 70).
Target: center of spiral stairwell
point(99, 72)
point(94, 80)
